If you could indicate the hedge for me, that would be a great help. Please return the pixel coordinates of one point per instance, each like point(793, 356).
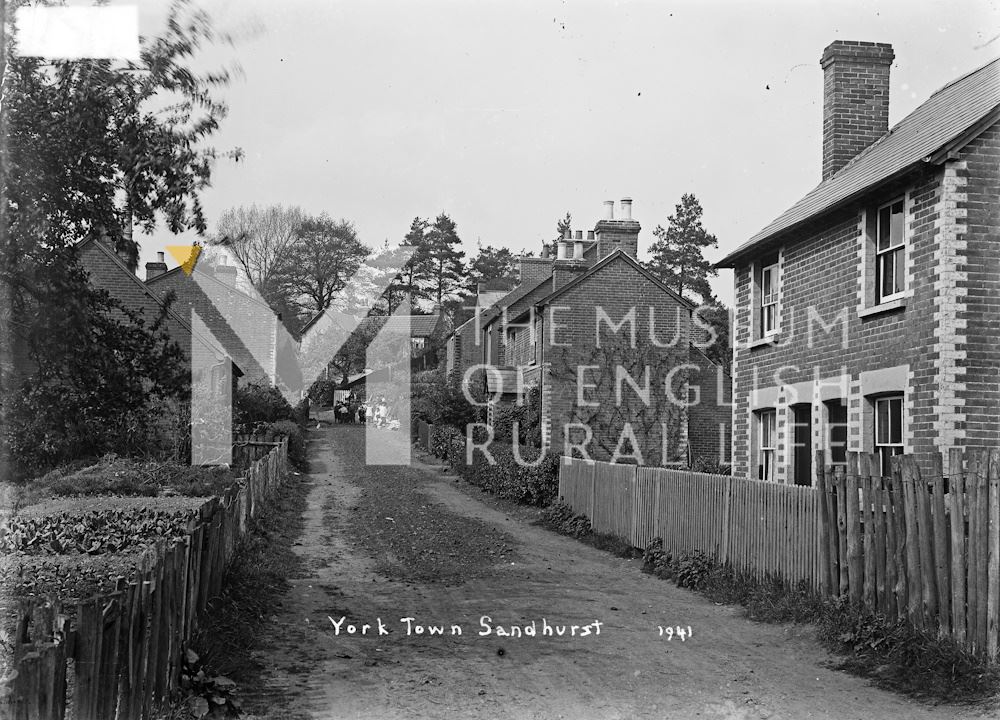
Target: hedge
point(537, 484)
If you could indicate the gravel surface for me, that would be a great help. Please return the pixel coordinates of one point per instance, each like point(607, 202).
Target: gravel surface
point(438, 562)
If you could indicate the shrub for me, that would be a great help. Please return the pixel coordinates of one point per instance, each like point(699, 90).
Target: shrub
point(532, 481)
point(296, 440)
point(257, 405)
point(711, 466)
point(693, 569)
point(321, 392)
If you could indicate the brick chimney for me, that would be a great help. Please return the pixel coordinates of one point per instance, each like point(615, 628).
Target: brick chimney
point(226, 274)
point(567, 264)
point(156, 268)
point(534, 269)
point(612, 234)
point(855, 99)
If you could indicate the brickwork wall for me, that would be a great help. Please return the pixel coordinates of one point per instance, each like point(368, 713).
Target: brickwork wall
point(942, 341)
point(245, 328)
point(710, 419)
point(576, 319)
point(973, 184)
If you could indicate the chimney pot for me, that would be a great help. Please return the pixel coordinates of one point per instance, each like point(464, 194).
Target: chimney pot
point(159, 257)
point(609, 209)
point(567, 234)
point(626, 208)
point(578, 235)
point(590, 234)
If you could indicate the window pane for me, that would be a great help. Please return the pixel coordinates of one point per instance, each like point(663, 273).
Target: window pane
point(898, 272)
point(881, 422)
point(884, 224)
point(896, 226)
point(768, 315)
point(766, 283)
point(895, 421)
point(888, 269)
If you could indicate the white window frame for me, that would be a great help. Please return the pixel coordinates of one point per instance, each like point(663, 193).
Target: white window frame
point(881, 255)
point(768, 301)
point(767, 444)
point(886, 447)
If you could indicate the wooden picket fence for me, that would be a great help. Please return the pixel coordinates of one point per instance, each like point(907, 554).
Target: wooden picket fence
point(758, 527)
point(922, 549)
point(119, 656)
point(926, 549)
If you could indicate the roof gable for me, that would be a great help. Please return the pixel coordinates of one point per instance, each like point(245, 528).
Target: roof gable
point(947, 115)
point(621, 256)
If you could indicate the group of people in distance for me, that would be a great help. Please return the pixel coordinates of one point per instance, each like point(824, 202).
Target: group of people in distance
point(353, 409)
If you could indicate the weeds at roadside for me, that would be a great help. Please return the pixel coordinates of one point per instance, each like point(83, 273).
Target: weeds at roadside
point(894, 655)
point(252, 591)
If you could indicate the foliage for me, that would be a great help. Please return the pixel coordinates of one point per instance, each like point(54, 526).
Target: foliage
point(710, 465)
point(93, 147)
point(439, 402)
point(614, 410)
point(902, 658)
point(324, 256)
point(692, 569)
point(677, 254)
point(491, 265)
point(130, 478)
point(95, 533)
point(527, 416)
point(255, 405)
point(560, 518)
point(296, 440)
point(99, 369)
point(716, 344)
point(209, 696)
point(532, 480)
point(562, 225)
point(444, 258)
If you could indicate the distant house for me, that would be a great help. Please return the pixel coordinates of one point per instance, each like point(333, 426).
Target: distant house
point(611, 350)
point(868, 313)
point(108, 271)
point(249, 330)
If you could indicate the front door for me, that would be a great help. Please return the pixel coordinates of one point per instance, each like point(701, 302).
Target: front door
point(802, 444)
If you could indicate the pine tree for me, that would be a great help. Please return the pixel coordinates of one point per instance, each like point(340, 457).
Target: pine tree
point(677, 254)
point(444, 258)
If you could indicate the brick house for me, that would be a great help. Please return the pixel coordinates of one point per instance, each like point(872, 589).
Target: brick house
point(246, 326)
point(108, 271)
point(601, 339)
point(867, 314)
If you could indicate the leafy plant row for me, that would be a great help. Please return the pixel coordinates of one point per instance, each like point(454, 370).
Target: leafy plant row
point(95, 532)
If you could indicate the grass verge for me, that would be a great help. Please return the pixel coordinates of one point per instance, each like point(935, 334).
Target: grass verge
point(894, 655)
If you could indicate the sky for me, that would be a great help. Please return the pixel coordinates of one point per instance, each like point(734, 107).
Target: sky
point(506, 115)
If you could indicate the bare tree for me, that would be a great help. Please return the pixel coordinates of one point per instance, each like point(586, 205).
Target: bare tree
point(261, 238)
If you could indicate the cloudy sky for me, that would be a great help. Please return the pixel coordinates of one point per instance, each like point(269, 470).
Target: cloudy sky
point(506, 115)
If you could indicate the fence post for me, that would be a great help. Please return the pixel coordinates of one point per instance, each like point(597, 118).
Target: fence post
point(956, 491)
point(903, 467)
point(823, 526)
point(727, 502)
point(993, 608)
point(855, 570)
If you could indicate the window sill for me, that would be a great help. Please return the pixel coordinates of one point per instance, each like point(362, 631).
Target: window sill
point(768, 341)
point(886, 307)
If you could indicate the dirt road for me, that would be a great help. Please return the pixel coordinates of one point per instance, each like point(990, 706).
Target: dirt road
point(381, 544)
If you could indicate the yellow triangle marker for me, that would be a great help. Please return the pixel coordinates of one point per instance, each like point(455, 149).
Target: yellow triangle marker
point(186, 255)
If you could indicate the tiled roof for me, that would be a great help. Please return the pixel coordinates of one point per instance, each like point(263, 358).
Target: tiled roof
point(945, 116)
